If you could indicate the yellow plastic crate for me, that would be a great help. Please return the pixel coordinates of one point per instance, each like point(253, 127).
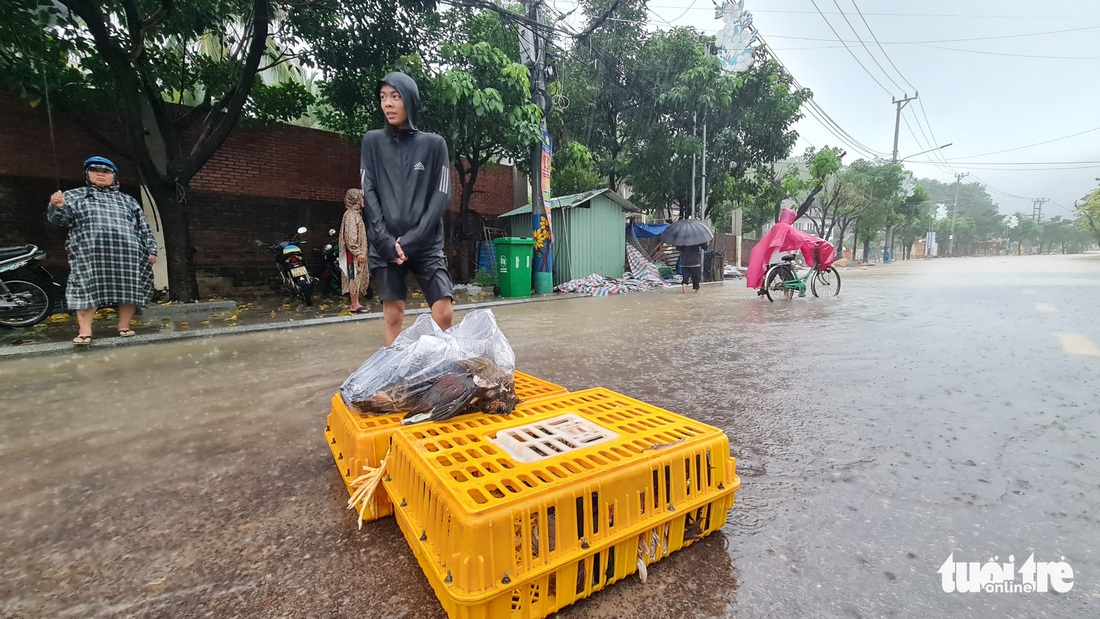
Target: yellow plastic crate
point(498, 537)
point(359, 440)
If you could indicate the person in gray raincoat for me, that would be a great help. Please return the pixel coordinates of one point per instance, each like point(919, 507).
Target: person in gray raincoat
point(110, 246)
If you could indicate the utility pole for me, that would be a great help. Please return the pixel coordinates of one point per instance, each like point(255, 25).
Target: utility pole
point(900, 104)
point(1037, 209)
point(703, 191)
point(955, 211)
point(542, 267)
point(694, 133)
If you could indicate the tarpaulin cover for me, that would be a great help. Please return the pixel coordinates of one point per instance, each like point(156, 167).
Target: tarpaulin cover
point(643, 276)
point(648, 231)
point(785, 237)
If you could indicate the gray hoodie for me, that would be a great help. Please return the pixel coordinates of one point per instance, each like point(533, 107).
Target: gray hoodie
point(406, 181)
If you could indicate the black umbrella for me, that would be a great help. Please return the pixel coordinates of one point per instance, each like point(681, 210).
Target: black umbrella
point(687, 232)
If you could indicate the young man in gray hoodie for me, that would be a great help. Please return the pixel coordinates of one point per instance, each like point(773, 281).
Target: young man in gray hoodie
point(406, 179)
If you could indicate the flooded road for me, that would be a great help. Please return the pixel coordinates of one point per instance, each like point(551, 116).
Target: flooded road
point(936, 408)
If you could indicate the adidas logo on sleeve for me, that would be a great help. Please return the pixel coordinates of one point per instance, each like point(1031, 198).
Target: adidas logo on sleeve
point(419, 167)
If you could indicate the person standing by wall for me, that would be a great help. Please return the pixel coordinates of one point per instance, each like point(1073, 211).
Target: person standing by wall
point(353, 251)
point(110, 247)
point(406, 178)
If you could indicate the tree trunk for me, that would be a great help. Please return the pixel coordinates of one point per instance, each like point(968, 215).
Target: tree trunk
point(855, 243)
point(182, 283)
point(866, 249)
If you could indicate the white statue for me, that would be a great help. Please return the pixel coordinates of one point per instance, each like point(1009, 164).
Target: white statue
point(737, 36)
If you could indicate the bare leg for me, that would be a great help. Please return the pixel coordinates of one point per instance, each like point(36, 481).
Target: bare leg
point(353, 297)
point(126, 313)
point(84, 319)
point(393, 313)
point(443, 313)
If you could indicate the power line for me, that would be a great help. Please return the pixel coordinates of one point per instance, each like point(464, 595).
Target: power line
point(1008, 150)
point(872, 32)
point(860, 39)
point(1031, 17)
point(815, 110)
point(965, 40)
point(854, 57)
point(1010, 55)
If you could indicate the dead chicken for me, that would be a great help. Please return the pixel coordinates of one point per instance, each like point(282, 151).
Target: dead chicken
point(470, 386)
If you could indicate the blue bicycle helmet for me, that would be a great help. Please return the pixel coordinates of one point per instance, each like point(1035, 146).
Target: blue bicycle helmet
point(100, 161)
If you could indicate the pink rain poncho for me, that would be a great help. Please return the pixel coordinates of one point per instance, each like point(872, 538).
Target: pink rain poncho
point(784, 237)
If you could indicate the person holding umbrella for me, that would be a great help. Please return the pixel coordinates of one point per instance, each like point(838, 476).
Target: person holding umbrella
point(690, 236)
point(691, 266)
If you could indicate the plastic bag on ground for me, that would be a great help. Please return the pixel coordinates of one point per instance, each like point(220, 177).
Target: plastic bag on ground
point(436, 374)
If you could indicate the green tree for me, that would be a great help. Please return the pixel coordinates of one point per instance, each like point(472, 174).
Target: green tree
point(574, 170)
point(137, 58)
point(974, 202)
point(1088, 213)
point(1026, 232)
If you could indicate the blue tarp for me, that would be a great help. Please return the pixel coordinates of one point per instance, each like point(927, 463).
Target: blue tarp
point(646, 231)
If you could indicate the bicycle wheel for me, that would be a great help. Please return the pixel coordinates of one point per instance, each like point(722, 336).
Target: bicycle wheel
point(773, 283)
point(828, 281)
point(24, 305)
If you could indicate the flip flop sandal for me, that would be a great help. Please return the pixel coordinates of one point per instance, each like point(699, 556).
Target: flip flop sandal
point(361, 310)
point(126, 333)
point(82, 340)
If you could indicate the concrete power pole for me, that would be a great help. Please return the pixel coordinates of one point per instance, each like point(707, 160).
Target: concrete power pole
point(900, 104)
point(1037, 209)
point(955, 211)
point(543, 278)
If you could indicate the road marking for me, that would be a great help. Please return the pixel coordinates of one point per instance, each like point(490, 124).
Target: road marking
point(1078, 344)
point(1045, 308)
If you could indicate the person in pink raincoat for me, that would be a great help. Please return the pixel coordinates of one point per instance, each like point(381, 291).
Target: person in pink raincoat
point(784, 239)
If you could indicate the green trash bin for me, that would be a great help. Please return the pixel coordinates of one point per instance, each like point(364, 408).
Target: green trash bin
point(514, 257)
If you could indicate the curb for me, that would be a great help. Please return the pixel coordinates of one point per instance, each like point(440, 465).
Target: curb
point(53, 348)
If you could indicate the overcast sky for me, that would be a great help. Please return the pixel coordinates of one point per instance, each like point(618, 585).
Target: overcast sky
point(982, 96)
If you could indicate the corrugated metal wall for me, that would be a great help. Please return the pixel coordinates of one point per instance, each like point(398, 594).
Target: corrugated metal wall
point(596, 241)
point(587, 240)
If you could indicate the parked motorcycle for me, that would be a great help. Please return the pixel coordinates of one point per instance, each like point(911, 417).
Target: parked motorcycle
point(28, 292)
point(292, 267)
point(331, 273)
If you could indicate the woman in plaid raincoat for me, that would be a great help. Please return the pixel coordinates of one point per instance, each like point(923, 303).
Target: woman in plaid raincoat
point(110, 246)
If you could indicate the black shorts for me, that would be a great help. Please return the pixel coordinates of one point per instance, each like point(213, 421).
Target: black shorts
point(430, 273)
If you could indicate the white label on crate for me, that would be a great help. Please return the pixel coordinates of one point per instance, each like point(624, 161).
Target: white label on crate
point(551, 437)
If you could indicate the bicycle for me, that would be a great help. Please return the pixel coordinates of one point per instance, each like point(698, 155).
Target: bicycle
point(783, 279)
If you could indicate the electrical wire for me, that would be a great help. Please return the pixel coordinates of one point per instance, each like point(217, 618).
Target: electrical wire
point(965, 40)
point(1008, 150)
point(881, 48)
point(865, 48)
point(854, 57)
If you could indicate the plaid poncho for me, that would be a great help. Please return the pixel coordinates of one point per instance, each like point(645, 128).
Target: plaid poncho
point(109, 245)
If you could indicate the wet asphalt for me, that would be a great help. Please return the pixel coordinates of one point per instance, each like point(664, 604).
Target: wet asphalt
point(936, 408)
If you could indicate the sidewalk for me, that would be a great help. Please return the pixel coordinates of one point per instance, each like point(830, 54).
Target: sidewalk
point(175, 321)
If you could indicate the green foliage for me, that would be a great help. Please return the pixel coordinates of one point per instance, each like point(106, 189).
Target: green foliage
point(480, 104)
point(1088, 211)
point(484, 278)
point(574, 170)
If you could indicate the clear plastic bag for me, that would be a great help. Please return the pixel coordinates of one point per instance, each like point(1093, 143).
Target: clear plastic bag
point(403, 376)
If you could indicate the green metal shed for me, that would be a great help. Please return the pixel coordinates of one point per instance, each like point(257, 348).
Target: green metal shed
point(589, 233)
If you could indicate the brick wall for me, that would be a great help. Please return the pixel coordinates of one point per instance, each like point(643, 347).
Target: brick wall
point(262, 184)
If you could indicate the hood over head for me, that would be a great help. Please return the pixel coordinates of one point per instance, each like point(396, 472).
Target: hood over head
point(787, 216)
point(410, 94)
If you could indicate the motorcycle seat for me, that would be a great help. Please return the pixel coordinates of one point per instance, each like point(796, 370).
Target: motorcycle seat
point(7, 253)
